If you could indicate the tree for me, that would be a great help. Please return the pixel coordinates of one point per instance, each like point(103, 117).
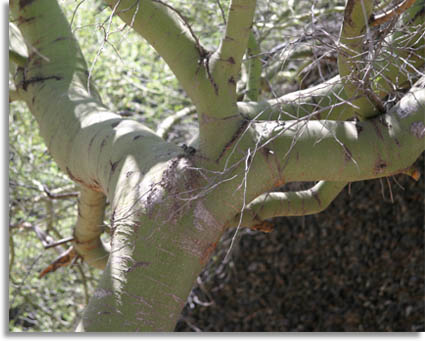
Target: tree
point(171, 204)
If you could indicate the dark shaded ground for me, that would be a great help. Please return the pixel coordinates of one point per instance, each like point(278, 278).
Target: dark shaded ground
point(358, 266)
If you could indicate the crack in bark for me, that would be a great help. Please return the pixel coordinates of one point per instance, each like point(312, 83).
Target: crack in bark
point(27, 82)
point(235, 136)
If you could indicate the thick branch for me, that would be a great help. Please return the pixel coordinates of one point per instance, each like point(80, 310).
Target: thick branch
point(323, 101)
point(89, 227)
point(225, 64)
point(254, 69)
point(166, 32)
point(235, 40)
point(370, 72)
point(300, 203)
point(354, 57)
point(397, 68)
point(345, 151)
point(141, 175)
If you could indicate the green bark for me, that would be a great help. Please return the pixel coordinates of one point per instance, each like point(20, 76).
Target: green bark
point(354, 58)
point(169, 207)
point(300, 203)
point(394, 70)
point(254, 69)
point(122, 159)
point(336, 151)
point(89, 227)
point(368, 73)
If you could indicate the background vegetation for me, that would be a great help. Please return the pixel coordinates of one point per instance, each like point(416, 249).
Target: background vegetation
point(298, 48)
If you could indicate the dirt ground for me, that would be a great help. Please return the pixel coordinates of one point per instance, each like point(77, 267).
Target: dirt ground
point(358, 266)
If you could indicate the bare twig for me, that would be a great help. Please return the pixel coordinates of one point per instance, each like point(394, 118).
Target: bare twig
point(75, 12)
point(197, 43)
point(105, 39)
point(59, 195)
point(390, 189)
point(221, 11)
point(59, 242)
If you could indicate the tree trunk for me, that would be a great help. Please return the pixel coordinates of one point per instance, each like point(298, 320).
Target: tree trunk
point(171, 205)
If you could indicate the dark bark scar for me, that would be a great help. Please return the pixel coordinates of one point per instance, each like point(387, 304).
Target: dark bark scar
point(102, 144)
point(74, 178)
point(348, 12)
point(59, 39)
point(379, 165)
point(114, 165)
point(23, 3)
point(377, 129)
point(95, 186)
point(27, 82)
point(22, 20)
point(204, 60)
point(235, 136)
point(138, 265)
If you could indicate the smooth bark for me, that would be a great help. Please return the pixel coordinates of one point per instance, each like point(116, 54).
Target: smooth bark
point(170, 206)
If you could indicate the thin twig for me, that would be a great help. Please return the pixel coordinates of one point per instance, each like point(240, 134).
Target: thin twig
point(59, 242)
point(221, 11)
point(59, 195)
point(75, 12)
point(105, 39)
point(390, 189)
point(201, 50)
